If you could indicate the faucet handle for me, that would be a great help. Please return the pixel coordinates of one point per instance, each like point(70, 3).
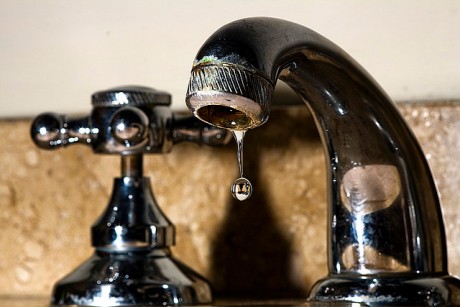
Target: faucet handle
point(128, 126)
point(125, 120)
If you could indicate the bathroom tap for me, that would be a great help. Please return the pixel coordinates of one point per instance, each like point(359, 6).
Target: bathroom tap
point(132, 264)
point(386, 238)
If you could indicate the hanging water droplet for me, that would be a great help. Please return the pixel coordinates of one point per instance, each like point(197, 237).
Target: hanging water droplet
point(241, 188)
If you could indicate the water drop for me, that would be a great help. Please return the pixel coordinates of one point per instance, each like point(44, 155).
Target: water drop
point(241, 188)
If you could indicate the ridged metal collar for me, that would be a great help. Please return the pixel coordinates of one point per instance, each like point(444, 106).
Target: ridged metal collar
point(130, 95)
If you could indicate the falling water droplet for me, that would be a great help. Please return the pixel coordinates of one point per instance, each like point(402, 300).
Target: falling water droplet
point(241, 187)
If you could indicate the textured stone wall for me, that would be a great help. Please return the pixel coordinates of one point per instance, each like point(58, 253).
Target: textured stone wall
point(273, 243)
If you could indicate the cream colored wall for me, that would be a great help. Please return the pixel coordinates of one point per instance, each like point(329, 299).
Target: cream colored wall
point(54, 54)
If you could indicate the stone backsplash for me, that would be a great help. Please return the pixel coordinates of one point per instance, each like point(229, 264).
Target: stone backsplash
point(273, 243)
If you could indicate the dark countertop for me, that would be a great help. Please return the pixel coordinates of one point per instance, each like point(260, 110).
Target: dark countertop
point(44, 302)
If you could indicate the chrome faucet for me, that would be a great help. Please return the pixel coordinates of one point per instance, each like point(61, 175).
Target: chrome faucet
point(386, 235)
point(132, 264)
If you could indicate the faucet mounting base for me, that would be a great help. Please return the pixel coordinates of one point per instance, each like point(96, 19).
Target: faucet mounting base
point(131, 279)
point(412, 290)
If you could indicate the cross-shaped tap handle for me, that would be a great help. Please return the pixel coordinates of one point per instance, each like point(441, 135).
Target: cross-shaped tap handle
point(125, 120)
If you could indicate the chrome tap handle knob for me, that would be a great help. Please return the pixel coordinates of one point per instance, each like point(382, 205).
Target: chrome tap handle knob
point(126, 120)
point(51, 130)
point(45, 131)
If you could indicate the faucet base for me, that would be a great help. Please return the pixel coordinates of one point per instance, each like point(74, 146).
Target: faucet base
point(131, 279)
point(411, 290)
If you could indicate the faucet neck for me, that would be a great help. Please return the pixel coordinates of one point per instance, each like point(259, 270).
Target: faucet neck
point(384, 213)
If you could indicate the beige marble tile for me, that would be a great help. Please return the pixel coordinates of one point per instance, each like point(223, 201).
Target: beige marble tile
point(275, 242)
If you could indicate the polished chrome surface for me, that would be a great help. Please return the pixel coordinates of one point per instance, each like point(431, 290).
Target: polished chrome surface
point(21, 301)
point(130, 95)
point(386, 235)
point(132, 264)
point(132, 219)
point(137, 278)
point(125, 120)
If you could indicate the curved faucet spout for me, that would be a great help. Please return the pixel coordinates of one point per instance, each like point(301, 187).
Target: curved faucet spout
point(235, 71)
point(386, 234)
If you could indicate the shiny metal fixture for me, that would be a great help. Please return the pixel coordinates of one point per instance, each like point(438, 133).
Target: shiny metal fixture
point(132, 264)
point(386, 235)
